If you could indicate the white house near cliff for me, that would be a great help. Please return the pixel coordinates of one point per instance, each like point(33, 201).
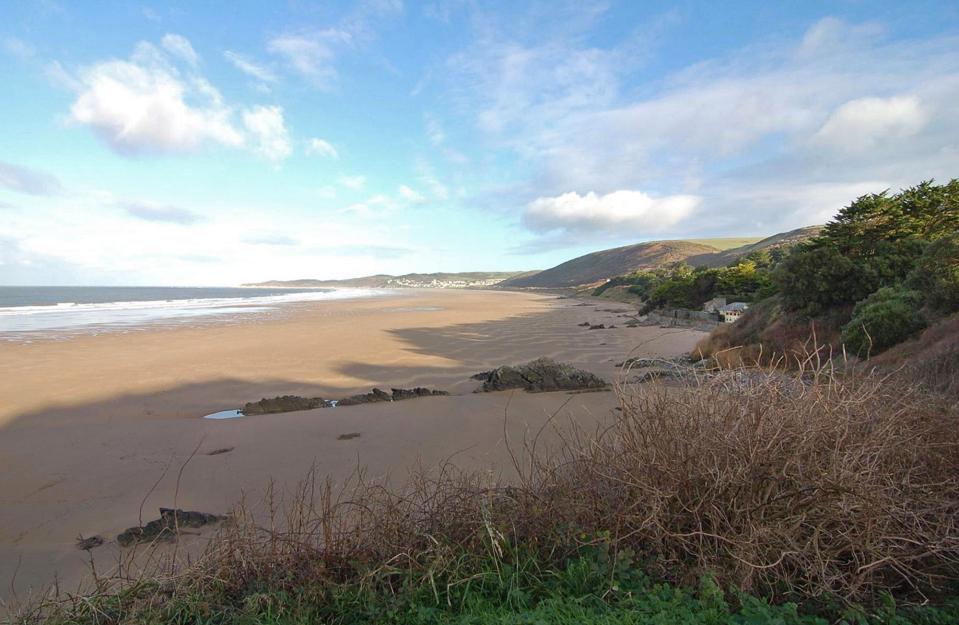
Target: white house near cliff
point(732, 312)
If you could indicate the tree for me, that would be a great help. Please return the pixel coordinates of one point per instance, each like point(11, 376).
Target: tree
point(885, 318)
point(814, 280)
point(936, 275)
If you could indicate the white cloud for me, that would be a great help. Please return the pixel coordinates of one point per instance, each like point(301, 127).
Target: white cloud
point(179, 46)
point(429, 179)
point(321, 147)
point(311, 54)
point(148, 105)
point(271, 239)
point(26, 180)
point(249, 67)
point(164, 213)
point(624, 212)
point(374, 206)
point(327, 192)
point(353, 182)
point(771, 115)
point(265, 124)
point(860, 124)
point(141, 106)
point(19, 48)
point(410, 195)
point(84, 239)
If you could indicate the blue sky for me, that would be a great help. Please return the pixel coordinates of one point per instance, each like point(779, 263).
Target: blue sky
point(217, 143)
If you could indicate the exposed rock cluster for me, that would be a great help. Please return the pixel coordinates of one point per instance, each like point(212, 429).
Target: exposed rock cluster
point(166, 527)
point(539, 375)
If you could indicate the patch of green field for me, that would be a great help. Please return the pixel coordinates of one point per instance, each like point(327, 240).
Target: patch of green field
point(723, 244)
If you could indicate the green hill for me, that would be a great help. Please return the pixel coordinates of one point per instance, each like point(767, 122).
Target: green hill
point(605, 264)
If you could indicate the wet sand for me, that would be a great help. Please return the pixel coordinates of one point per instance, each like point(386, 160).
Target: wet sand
point(90, 423)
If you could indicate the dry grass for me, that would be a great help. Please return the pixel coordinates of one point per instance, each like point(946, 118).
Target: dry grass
point(788, 485)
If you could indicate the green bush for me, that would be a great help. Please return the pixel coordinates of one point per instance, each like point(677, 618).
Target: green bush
point(885, 318)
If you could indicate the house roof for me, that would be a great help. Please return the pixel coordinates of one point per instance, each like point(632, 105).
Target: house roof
point(735, 307)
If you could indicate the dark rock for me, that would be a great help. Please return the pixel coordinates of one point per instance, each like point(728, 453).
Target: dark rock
point(221, 450)
point(166, 526)
point(541, 375)
point(400, 394)
point(374, 396)
point(482, 376)
point(600, 326)
point(86, 544)
point(348, 436)
point(585, 324)
point(286, 403)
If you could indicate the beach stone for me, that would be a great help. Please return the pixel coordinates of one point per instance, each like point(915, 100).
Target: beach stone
point(285, 403)
point(86, 544)
point(599, 326)
point(543, 374)
point(166, 526)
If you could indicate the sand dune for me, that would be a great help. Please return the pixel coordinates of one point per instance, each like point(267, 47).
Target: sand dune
point(90, 423)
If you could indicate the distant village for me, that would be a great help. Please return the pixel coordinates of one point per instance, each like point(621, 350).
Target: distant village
point(440, 284)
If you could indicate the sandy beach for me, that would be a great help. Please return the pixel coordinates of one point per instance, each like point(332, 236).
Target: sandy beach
point(88, 424)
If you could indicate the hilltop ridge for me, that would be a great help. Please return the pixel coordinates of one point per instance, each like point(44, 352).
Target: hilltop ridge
point(605, 264)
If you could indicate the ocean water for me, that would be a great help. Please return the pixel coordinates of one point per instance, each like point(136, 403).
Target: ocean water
point(26, 311)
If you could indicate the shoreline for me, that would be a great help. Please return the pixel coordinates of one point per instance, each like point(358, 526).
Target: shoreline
point(109, 413)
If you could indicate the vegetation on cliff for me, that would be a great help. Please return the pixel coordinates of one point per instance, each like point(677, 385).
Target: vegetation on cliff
point(883, 270)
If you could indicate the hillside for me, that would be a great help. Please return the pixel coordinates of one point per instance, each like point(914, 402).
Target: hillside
point(409, 280)
point(726, 256)
point(606, 264)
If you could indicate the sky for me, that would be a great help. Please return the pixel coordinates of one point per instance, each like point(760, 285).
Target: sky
point(216, 143)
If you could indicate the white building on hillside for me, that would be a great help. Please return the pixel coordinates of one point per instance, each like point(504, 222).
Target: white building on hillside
point(732, 312)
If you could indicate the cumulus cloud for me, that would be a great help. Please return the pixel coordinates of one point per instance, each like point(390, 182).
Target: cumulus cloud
point(26, 180)
point(861, 123)
point(148, 105)
point(179, 46)
point(250, 68)
point(265, 124)
point(621, 212)
point(321, 148)
point(141, 105)
point(163, 213)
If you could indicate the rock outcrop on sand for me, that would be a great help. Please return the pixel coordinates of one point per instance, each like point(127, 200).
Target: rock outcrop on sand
point(396, 394)
point(540, 375)
point(166, 527)
point(286, 403)
point(292, 403)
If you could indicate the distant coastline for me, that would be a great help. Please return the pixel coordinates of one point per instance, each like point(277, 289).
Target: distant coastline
point(440, 280)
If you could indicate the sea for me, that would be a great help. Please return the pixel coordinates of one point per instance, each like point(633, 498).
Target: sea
point(28, 312)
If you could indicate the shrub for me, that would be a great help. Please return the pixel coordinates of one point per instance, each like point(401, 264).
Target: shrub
point(885, 318)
